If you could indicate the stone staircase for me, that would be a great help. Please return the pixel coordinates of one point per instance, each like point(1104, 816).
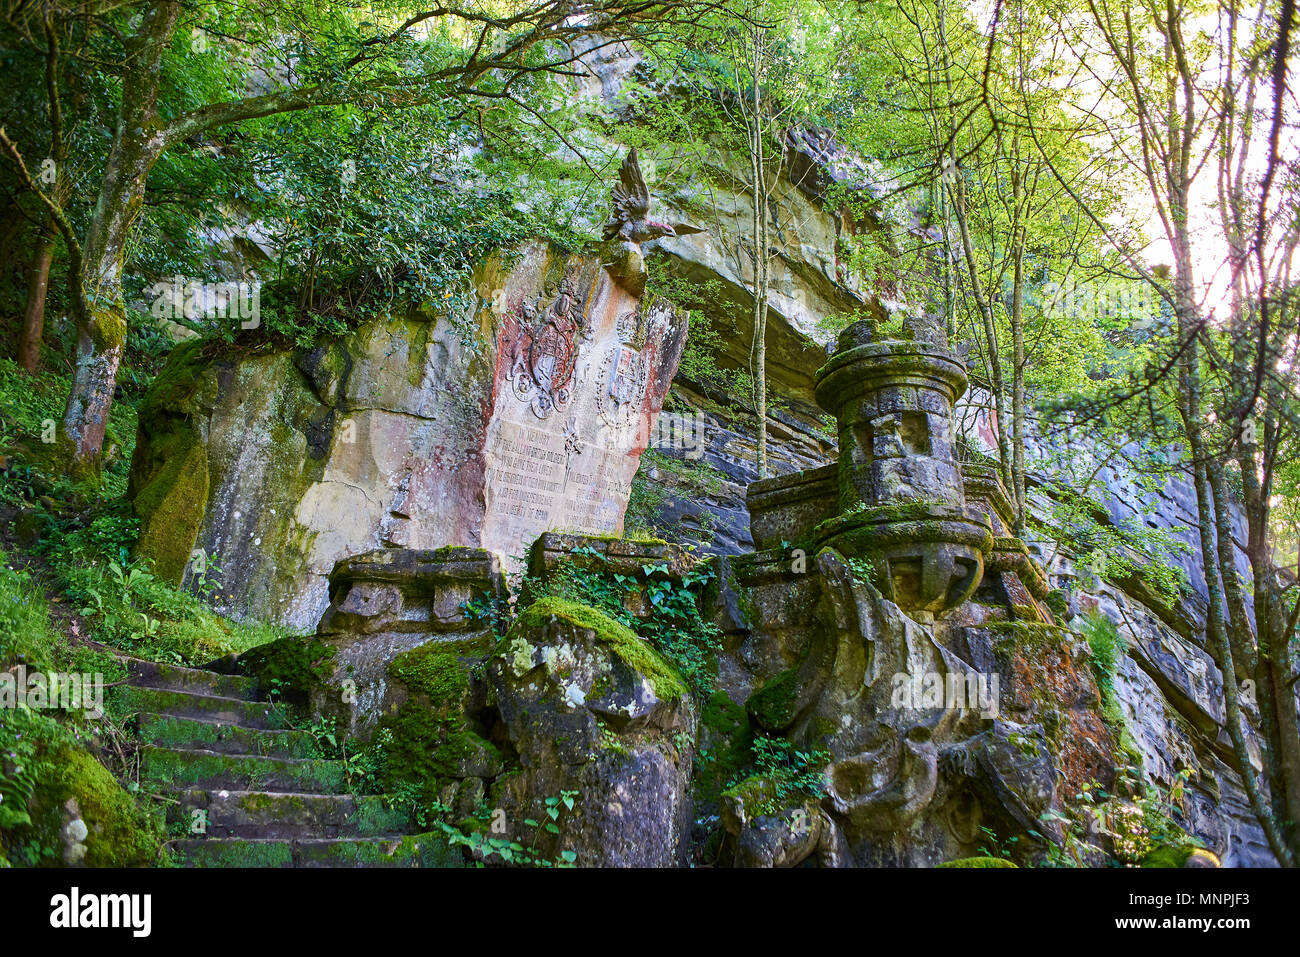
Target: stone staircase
point(250, 792)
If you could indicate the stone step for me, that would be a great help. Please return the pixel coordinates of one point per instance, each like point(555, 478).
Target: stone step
point(420, 850)
point(270, 815)
point(156, 674)
point(169, 731)
point(205, 707)
point(178, 769)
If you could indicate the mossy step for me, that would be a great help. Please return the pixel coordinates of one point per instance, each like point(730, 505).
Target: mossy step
point(419, 850)
point(156, 674)
point(214, 708)
point(169, 731)
point(270, 815)
point(210, 770)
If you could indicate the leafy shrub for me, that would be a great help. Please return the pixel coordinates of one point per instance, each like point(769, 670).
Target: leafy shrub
point(674, 625)
point(25, 636)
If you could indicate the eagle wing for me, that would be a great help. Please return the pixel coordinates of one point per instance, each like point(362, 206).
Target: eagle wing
point(630, 195)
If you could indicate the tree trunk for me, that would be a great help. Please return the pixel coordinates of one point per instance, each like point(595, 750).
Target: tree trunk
point(38, 282)
point(1018, 350)
point(1218, 636)
point(760, 197)
point(998, 384)
point(101, 315)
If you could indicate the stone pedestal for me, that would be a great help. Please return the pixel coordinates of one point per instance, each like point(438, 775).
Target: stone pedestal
point(390, 601)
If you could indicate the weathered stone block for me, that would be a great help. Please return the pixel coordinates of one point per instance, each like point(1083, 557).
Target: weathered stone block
point(411, 431)
point(591, 708)
point(789, 507)
point(390, 602)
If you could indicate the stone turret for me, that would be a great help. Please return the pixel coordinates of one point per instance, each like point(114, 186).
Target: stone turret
point(896, 499)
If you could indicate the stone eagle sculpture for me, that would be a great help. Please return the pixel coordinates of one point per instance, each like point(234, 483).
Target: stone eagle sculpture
point(629, 226)
point(630, 220)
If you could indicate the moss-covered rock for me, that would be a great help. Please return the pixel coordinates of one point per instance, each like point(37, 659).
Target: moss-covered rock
point(774, 706)
point(1180, 855)
point(113, 830)
point(440, 670)
point(636, 653)
point(978, 862)
point(171, 503)
point(754, 796)
point(596, 713)
point(289, 668)
point(426, 749)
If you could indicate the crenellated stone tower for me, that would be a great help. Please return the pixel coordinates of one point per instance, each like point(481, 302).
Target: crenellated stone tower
point(897, 501)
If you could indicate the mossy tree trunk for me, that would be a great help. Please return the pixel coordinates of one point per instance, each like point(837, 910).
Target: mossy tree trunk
point(38, 282)
point(138, 142)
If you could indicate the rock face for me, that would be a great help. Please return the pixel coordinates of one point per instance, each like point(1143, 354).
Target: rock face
point(414, 432)
point(585, 717)
point(1054, 733)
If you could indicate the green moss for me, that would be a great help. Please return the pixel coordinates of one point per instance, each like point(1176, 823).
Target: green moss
point(905, 511)
point(244, 854)
point(635, 653)
point(289, 667)
point(773, 706)
point(177, 378)
point(978, 862)
point(198, 769)
point(1026, 634)
point(375, 816)
point(423, 747)
point(1172, 855)
point(460, 747)
point(171, 504)
point(119, 834)
point(169, 478)
point(438, 669)
point(757, 794)
point(638, 536)
point(745, 602)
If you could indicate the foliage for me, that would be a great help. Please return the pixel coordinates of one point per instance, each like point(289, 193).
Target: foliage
point(1117, 553)
point(993, 847)
point(782, 775)
point(673, 624)
point(1106, 648)
point(705, 342)
point(984, 862)
point(410, 757)
point(25, 635)
point(485, 847)
point(45, 756)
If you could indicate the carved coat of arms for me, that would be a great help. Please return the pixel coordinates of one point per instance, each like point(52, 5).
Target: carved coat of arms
point(546, 353)
point(624, 375)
